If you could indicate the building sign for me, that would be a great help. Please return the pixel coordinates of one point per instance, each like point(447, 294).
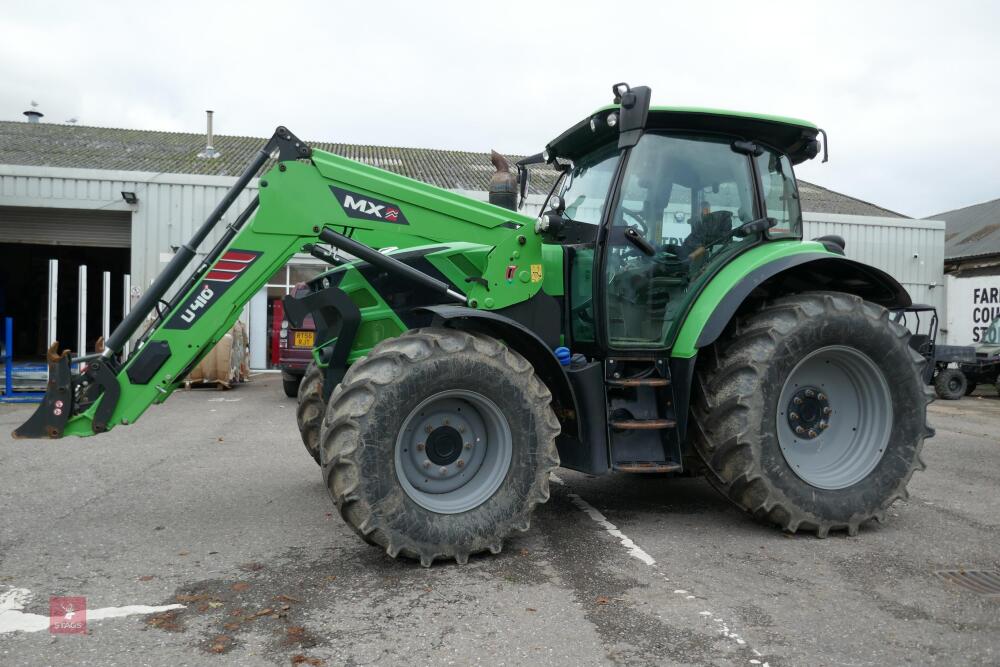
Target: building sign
point(972, 304)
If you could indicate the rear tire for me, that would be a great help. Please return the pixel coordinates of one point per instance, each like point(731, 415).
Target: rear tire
point(950, 384)
point(311, 408)
point(874, 410)
point(406, 402)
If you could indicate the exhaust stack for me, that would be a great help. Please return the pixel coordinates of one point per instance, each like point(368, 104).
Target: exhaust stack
point(209, 150)
point(503, 184)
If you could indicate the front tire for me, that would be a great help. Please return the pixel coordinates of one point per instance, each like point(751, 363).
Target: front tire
point(950, 384)
point(810, 413)
point(439, 444)
point(311, 408)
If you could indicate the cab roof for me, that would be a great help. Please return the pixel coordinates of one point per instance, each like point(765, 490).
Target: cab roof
point(788, 135)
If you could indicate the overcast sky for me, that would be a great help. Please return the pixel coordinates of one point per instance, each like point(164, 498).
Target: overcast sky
point(908, 91)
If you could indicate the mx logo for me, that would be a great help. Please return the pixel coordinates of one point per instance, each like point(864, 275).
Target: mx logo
point(364, 207)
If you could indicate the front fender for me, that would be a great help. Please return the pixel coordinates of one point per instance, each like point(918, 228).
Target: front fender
point(772, 270)
point(526, 342)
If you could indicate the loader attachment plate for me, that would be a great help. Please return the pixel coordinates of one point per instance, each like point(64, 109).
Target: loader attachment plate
point(50, 417)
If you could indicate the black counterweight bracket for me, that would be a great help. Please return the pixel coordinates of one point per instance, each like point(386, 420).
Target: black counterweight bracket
point(336, 316)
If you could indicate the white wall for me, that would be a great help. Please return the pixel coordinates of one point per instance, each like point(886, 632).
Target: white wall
point(972, 304)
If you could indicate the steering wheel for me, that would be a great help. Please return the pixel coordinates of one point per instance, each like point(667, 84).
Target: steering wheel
point(642, 227)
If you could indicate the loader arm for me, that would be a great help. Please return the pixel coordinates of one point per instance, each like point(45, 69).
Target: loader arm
point(307, 197)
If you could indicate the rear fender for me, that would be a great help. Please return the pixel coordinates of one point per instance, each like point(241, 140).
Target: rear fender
point(800, 272)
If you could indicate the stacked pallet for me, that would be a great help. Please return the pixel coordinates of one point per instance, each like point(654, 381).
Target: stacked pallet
point(227, 364)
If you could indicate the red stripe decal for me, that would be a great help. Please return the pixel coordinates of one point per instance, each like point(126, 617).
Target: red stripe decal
point(237, 256)
point(221, 276)
point(223, 265)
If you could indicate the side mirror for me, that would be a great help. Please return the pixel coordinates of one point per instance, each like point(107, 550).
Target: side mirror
point(522, 185)
point(522, 176)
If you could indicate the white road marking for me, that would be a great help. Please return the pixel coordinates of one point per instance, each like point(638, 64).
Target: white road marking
point(13, 619)
point(637, 552)
point(632, 548)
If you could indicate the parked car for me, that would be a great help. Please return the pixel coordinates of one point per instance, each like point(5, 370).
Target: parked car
point(954, 370)
point(986, 367)
point(944, 362)
point(294, 346)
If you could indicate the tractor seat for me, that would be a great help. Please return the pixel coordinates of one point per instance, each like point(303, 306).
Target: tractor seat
point(920, 343)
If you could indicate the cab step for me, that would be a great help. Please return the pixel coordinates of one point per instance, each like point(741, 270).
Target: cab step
point(640, 382)
point(642, 424)
point(648, 466)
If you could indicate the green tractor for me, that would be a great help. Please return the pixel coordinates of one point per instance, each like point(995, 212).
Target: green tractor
point(663, 315)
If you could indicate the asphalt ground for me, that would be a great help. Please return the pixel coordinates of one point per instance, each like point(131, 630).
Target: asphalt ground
point(211, 502)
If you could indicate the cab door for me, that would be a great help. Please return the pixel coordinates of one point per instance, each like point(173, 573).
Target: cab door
point(680, 198)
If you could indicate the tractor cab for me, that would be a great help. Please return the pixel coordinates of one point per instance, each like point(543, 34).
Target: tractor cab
point(651, 201)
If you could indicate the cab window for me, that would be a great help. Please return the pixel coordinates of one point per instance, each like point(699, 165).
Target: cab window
point(781, 196)
point(585, 188)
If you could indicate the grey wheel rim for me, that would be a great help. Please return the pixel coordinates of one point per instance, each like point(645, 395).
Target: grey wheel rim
point(453, 451)
point(834, 417)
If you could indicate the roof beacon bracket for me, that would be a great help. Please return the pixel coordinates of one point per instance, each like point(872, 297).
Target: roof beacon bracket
point(634, 111)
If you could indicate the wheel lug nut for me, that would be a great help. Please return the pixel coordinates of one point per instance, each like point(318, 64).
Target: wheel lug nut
point(460, 463)
point(827, 411)
point(793, 415)
point(427, 464)
point(797, 401)
point(812, 433)
point(428, 429)
point(461, 429)
point(420, 447)
point(821, 396)
point(799, 430)
point(823, 426)
point(447, 422)
point(468, 445)
point(810, 393)
point(443, 470)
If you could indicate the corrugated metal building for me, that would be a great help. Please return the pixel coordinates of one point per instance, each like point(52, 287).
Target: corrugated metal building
point(912, 251)
point(63, 192)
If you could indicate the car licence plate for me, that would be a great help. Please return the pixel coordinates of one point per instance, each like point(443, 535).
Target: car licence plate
point(304, 338)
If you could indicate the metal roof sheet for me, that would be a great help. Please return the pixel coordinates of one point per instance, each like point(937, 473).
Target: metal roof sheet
point(972, 231)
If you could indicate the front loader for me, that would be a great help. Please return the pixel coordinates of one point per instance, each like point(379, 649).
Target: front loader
point(662, 315)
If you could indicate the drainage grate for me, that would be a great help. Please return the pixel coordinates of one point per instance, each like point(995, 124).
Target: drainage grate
point(984, 582)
